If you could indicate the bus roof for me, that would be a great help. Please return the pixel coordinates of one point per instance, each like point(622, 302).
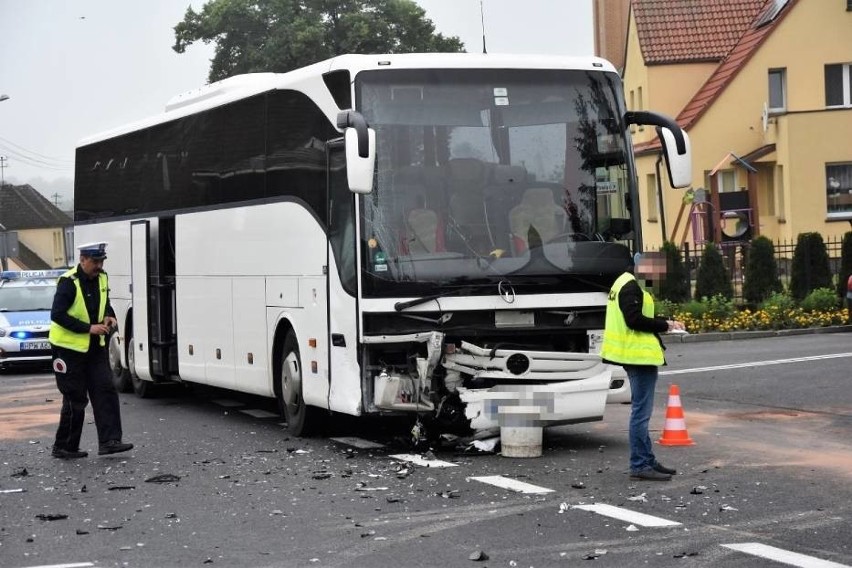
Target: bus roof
point(310, 78)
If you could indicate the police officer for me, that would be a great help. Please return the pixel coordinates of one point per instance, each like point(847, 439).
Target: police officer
point(631, 340)
point(81, 320)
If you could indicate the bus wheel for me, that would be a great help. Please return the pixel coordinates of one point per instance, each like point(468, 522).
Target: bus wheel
point(142, 388)
point(120, 375)
point(301, 418)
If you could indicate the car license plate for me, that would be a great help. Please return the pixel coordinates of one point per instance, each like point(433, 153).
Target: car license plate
point(35, 345)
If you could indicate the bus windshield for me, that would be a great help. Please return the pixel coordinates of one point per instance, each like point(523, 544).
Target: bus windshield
point(494, 174)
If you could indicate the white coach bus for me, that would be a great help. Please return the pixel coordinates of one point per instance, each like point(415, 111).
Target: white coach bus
point(421, 233)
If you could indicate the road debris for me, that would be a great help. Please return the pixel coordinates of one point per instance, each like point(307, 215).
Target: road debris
point(21, 473)
point(477, 556)
point(163, 478)
point(51, 516)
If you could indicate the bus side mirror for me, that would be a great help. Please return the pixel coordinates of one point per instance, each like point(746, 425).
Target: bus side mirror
point(675, 143)
point(679, 164)
point(360, 141)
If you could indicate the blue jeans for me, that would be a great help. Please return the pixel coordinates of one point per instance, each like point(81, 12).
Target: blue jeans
point(643, 380)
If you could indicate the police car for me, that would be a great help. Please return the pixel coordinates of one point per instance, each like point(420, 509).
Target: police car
point(25, 301)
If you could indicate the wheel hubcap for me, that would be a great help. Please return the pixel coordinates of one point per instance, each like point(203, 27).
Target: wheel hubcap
point(291, 386)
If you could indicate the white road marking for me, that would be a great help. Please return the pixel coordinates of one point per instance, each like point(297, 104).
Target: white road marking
point(226, 402)
point(756, 364)
point(418, 460)
point(783, 556)
point(358, 443)
point(257, 413)
point(75, 565)
point(512, 484)
point(627, 515)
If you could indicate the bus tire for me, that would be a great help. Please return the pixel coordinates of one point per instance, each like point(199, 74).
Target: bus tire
point(142, 388)
point(302, 420)
point(120, 375)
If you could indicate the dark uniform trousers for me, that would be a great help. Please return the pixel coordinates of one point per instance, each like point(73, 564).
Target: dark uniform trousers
point(87, 376)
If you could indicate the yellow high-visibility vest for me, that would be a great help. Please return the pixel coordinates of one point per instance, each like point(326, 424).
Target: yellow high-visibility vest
point(68, 339)
point(622, 344)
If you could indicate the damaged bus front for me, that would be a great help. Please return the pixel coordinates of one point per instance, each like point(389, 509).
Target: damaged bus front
point(502, 207)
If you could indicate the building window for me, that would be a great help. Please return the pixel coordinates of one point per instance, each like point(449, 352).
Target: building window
point(777, 90)
point(838, 187)
point(651, 195)
point(727, 181)
point(838, 85)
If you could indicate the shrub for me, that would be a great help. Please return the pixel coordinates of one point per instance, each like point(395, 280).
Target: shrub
point(820, 300)
point(712, 278)
point(664, 308)
point(778, 302)
point(845, 264)
point(761, 272)
point(675, 285)
point(810, 269)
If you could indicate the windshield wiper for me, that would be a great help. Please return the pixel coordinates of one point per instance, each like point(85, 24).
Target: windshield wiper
point(466, 285)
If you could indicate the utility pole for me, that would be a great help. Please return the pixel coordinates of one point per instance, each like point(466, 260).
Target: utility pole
point(56, 199)
point(3, 167)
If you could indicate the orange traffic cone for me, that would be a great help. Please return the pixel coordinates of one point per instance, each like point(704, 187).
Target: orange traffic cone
point(674, 431)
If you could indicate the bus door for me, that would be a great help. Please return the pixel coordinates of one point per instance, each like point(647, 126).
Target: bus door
point(344, 371)
point(139, 341)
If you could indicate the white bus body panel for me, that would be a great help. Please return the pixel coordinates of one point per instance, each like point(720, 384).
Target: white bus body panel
point(139, 298)
point(345, 393)
point(234, 273)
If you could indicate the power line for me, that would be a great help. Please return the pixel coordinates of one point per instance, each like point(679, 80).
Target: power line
point(34, 153)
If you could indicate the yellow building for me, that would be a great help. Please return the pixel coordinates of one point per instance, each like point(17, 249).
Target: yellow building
point(764, 89)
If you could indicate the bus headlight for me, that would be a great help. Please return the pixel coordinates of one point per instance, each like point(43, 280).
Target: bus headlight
point(3, 332)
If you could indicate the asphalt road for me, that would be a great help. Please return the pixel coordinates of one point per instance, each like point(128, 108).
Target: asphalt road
point(768, 477)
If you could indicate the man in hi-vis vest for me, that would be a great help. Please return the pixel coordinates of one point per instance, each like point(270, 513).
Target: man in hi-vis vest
point(631, 340)
point(81, 321)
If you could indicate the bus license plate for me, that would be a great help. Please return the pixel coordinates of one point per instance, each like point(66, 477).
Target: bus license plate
point(35, 345)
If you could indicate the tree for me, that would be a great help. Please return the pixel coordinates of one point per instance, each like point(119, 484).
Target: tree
point(675, 285)
point(712, 278)
point(281, 35)
point(761, 272)
point(811, 269)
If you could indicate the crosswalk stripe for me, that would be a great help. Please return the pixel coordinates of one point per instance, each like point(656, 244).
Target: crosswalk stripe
point(74, 565)
point(783, 556)
point(226, 402)
point(257, 413)
point(627, 515)
point(511, 484)
point(419, 460)
point(358, 442)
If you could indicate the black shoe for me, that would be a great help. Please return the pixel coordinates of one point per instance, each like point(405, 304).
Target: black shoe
point(663, 469)
point(113, 447)
point(650, 474)
point(64, 454)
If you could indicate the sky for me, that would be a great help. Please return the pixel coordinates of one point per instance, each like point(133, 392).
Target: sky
point(76, 68)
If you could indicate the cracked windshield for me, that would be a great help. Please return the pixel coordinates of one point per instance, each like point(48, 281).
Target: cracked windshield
point(489, 174)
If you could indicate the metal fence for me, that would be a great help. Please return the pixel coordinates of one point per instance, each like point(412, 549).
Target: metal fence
point(735, 256)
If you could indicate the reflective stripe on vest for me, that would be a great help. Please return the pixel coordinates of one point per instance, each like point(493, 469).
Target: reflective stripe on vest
point(622, 344)
point(68, 339)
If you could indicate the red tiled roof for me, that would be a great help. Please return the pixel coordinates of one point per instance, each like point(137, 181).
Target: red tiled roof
point(675, 31)
point(739, 55)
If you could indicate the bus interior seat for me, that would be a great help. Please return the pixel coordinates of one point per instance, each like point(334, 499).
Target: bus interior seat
point(539, 212)
point(418, 193)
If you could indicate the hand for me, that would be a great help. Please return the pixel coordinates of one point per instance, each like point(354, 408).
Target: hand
point(675, 325)
point(99, 329)
point(110, 322)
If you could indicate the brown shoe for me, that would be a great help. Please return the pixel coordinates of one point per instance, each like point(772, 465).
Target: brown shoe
point(663, 469)
point(650, 474)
